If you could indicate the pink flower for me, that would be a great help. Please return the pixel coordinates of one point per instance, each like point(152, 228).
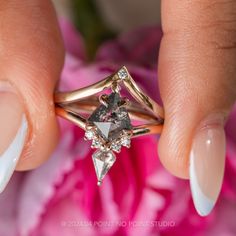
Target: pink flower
point(138, 197)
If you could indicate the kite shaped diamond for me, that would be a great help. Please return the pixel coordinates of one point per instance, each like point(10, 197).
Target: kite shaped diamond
point(103, 161)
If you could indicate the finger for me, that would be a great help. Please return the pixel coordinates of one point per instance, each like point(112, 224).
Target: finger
point(197, 67)
point(31, 52)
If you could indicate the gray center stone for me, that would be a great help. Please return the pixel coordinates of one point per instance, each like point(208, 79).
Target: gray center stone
point(110, 120)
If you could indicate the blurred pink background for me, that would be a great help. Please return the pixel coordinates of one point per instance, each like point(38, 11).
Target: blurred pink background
point(138, 197)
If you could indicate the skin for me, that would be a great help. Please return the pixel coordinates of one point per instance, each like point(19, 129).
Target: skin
point(32, 55)
point(197, 63)
point(197, 72)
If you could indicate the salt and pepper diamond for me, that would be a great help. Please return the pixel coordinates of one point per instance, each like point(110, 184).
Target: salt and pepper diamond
point(109, 127)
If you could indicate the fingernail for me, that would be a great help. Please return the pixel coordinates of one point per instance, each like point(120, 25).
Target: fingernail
point(207, 161)
point(13, 131)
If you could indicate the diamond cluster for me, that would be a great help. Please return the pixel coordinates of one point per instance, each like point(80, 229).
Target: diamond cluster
point(109, 128)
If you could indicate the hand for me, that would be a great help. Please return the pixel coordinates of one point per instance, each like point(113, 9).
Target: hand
point(197, 72)
point(32, 54)
point(197, 82)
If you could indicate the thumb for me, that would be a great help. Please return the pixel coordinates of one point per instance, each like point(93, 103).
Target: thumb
point(197, 67)
point(32, 55)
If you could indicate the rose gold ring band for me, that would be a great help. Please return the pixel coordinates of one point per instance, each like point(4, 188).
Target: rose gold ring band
point(75, 105)
point(110, 120)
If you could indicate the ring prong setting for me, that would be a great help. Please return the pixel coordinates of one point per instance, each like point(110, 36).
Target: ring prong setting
point(109, 126)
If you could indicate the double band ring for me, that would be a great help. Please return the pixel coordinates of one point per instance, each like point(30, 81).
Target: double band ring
point(110, 120)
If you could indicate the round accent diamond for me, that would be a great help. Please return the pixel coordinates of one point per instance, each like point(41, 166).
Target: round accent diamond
point(89, 134)
point(122, 74)
point(96, 143)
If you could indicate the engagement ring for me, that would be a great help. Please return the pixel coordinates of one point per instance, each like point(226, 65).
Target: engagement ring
point(110, 120)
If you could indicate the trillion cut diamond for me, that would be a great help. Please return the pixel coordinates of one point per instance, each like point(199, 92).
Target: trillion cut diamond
point(126, 142)
point(103, 161)
point(111, 119)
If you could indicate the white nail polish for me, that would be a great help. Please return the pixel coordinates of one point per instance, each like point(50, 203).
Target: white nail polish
point(9, 159)
point(202, 203)
point(13, 131)
point(207, 161)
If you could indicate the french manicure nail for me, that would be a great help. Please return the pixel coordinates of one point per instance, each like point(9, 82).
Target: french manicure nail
point(207, 161)
point(13, 131)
